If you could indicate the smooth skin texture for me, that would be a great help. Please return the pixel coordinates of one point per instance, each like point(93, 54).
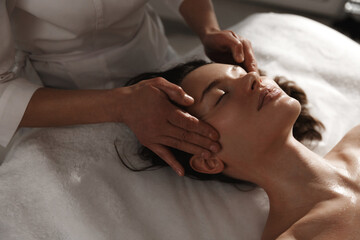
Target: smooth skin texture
point(156, 123)
point(311, 197)
point(147, 107)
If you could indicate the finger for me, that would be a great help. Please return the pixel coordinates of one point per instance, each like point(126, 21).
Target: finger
point(168, 157)
point(250, 63)
point(190, 123)
point(185, 146)
point(194, 138)
point(237, 48)
point(174, 92)
point(238, 53)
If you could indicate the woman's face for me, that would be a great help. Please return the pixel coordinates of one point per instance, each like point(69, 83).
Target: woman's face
point(249, 112)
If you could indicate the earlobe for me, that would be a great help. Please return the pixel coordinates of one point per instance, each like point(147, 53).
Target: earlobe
point(212, 165)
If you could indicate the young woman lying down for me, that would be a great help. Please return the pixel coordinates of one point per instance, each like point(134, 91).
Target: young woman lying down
point(262, 127)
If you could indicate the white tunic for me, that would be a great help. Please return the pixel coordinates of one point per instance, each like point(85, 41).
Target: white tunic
point(73, 44)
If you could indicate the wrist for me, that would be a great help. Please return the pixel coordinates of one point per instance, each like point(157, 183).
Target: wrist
point(118, 98)
point(207, 31)
point(200, 17)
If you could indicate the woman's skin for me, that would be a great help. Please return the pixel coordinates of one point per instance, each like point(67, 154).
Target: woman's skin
point(146, 107)
point(311, 197)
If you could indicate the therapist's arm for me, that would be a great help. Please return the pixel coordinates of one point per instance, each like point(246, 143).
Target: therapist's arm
point(49, 107)
point(145, 107)
point(220, 45)
point(55, 107)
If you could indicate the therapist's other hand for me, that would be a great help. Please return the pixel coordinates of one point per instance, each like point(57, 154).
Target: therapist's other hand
point(157, 123)
point(225, 46)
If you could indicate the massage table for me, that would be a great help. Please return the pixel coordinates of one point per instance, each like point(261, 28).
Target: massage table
point(68, 182)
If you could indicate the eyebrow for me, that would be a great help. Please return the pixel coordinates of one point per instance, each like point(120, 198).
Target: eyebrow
point(209, 87)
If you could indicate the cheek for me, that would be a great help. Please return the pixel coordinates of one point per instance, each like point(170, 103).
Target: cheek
point(236, 126)
point(245, 131)
point(229, 117)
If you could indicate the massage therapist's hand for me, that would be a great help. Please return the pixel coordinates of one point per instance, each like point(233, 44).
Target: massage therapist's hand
point(225, 46)
point(158, 123)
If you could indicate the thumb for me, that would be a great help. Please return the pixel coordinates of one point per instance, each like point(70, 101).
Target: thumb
point(237, 48)
point(238, 52)
point(175, 92)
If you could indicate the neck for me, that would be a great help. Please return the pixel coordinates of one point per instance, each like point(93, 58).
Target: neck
point(295, 180)
point(289, 171)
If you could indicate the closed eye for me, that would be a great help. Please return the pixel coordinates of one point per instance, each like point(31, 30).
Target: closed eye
point(220, 98)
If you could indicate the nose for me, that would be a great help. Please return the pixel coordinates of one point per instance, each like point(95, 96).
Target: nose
point(247, 84)
point(254, 81)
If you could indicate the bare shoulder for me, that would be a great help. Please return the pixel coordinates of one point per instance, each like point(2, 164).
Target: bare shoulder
point(347, 151)
point(330, 220)
point(351, 139)
point(338, 217)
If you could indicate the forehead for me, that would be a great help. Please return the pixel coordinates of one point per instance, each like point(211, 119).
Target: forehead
point(196, 81)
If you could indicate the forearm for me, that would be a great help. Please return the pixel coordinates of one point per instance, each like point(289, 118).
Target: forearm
point(200, 16)
point(54, 107)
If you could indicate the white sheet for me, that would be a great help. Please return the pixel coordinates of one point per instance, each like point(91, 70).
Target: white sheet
point(67, 183)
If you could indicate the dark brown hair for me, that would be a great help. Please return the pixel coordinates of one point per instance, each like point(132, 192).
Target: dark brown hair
point(306, 126)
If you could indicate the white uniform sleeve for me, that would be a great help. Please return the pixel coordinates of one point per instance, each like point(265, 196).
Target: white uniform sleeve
point(15, 92)
point(173, 4)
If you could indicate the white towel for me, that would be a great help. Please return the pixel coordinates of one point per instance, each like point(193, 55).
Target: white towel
point(68, 183)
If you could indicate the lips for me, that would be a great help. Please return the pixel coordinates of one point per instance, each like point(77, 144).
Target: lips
point(266, 95)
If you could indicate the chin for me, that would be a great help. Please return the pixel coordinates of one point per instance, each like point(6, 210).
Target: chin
point(282, 117)
point(290, 111)
point(294, 109)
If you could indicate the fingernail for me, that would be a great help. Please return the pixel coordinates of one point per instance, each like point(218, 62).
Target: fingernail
point(214, 148)
point(240, 58)
point(188, 98)
point(179, 172)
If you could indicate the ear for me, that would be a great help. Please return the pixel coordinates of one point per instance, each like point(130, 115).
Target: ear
point(212, 165)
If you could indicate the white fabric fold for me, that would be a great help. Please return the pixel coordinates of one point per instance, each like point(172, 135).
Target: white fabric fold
point(81, 44)
point(14, 99)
